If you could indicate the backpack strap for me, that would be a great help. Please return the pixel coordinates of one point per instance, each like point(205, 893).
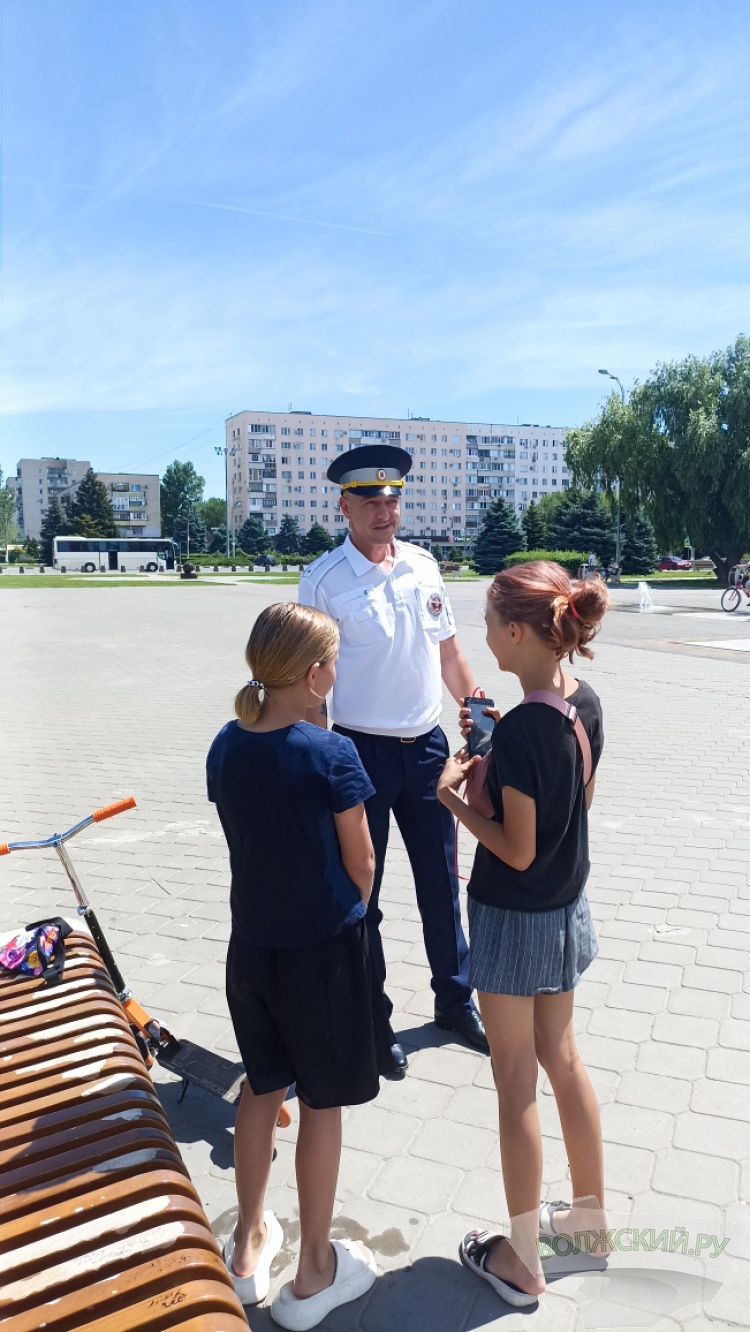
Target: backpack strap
point(569, 711)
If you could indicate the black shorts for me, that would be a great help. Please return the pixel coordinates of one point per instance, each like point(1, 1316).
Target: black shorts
point(305, 1015)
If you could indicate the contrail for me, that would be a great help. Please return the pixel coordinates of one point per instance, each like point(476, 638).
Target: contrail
point(280, 217)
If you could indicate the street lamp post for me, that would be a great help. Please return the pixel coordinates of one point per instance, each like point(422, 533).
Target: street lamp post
point(222, 449)
point(619, 483)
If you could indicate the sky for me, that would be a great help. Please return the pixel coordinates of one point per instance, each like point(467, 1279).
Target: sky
point(460, 209)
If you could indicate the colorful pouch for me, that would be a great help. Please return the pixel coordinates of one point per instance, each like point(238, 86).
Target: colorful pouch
point(38, 950)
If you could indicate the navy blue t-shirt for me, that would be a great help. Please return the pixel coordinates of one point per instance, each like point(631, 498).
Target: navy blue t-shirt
point(276, 793)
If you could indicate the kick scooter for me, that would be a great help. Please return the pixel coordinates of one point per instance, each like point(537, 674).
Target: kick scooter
point(192, 1063)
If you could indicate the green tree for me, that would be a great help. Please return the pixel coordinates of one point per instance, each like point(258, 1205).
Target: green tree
point(639, 551)
point(583, 522)
point(32, 550)
point(180, 485)
point(216, 541)
point(316, 541)
point(54, 523)
point(499, 536)
point(252, 536)
point(340, 538)
point(289, 538)
point(681, 447)
point(8, 528)
point(190, 531)
point(91, 510)
point(214, 513)
point(534, 528)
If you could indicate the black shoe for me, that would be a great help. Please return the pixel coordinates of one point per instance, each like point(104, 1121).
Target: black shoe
point(394, 1068)
point(467, 1024)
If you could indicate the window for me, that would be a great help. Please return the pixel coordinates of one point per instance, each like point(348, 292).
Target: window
point(312, 434)
point(313, 490)
point(286, 476)
point(300, 476)
point(409, 437)
point(298, 430)
point(285, 430)
point(312, 445)
point(313, 476)
point(433, 453)
point(313, 504)
point(443, 453)
point(284, 460)
point(444, 439)
point(409, 504)
point(456, 439)
point(339, 434)
point(324, 446)
point(324, 434)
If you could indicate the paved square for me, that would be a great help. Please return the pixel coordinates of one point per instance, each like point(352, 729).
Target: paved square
point(110, 692)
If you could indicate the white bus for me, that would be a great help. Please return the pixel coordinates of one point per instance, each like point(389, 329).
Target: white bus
point(92, 555)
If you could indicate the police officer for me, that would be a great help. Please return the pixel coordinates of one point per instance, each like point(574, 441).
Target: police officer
point(398, 643)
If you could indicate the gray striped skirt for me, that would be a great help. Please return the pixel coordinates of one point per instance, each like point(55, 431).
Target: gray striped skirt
point(530, 952)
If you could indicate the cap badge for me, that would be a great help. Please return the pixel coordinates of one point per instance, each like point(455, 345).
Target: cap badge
point(380, 475)
point(435, 605)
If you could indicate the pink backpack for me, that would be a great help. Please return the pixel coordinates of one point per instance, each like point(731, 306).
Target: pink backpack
point(477, 794)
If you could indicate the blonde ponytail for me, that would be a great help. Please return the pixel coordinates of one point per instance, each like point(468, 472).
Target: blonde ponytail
point(286, 640)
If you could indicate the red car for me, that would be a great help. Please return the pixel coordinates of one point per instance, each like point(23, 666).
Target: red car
point(673, 562)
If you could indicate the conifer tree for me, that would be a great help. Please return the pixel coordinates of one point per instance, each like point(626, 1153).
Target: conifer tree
point(534, 528)
point(583, 522)
point(252, 536)
point(289, 538)
point(316, 541)
point(55, 523)
point(92, 502)
point(500, 536)
point(639, 551)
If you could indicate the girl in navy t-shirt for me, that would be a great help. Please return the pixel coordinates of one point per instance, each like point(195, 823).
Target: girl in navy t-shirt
point(290, 796)
point(531, 934)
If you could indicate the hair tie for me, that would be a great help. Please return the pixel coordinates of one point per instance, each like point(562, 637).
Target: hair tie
point(572, 608)
point(256, 684)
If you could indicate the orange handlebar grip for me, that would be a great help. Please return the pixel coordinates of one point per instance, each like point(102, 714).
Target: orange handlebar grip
point(4, 849)
point(109, 811)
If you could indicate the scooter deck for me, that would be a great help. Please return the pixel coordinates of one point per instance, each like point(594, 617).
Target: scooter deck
point(203, 1068)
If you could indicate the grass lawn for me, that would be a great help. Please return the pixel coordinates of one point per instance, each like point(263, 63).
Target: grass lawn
point(686, 579)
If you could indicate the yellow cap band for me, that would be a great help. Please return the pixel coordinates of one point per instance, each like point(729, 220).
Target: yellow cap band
point(349, 485)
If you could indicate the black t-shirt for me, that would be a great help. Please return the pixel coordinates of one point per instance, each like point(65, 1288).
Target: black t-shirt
point(534, 750)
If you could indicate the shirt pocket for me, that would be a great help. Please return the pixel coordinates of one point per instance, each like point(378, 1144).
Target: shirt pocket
point(364, 617)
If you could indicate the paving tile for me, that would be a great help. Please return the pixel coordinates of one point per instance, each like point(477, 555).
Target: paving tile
point(672, 1060)
point(654, 1091)
point(712, 1134)
point(481, 1195)
point(678, 1030)
point(696, 1175)
point(422, 1185)
point(462, 1145)
point(729, 1066)
point(390, 1231)
point(376, 1128)
point(636, 1126)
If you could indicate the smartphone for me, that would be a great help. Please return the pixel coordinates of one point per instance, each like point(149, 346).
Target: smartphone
point(479, 737)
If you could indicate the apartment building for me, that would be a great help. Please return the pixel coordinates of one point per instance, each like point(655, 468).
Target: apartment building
point(37, 481)
point(135, 497)
point(136, 500)
point(277, 461)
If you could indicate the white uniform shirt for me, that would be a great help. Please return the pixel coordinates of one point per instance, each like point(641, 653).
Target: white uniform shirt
point(388, 679)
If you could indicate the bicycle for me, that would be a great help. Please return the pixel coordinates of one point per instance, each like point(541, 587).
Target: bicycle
point(192, 1063)
point(732, 596)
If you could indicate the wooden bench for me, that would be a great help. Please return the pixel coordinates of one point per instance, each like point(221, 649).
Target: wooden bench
point(101, 1229)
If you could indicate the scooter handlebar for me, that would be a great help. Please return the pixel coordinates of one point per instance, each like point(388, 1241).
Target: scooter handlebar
point(4, 849)
point(109, 811)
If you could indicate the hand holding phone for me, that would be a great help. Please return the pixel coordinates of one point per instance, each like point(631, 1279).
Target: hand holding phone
point(480, 730)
